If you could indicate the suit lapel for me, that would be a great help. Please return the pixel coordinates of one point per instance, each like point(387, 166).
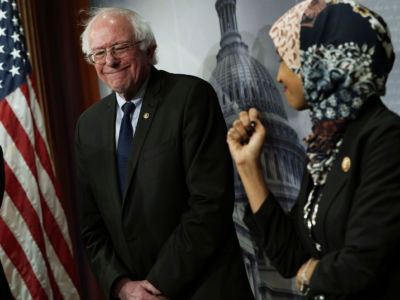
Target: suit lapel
point(338, 175)
point(306, 186)
point(334, 183)
point(109, 160)
point(147, 113)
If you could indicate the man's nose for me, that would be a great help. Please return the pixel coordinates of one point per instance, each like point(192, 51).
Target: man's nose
point(111, 60)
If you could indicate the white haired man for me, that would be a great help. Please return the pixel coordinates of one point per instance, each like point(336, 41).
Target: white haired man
point(156, 174)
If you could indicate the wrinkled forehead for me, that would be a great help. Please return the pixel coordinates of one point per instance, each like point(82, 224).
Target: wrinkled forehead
point(108, 29)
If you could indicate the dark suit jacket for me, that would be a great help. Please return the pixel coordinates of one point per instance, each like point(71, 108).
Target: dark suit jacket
point(174, 225)
point(358, 221)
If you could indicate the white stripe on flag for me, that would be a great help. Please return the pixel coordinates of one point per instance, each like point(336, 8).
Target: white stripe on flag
point(49, 194)
point(16, 223)
point(21, 171)
point(15, 277)
point(63, 280)
point(37, 114)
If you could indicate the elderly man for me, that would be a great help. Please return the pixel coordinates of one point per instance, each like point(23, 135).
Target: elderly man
point(156, 174)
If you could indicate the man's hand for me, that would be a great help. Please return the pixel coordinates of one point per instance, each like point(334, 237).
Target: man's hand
point(127, 289)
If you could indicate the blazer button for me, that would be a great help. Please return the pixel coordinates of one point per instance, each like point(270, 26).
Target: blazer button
point(346, 164)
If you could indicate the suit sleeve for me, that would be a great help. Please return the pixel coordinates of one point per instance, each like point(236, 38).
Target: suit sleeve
point(205, 226)
point(104, 262)
point(373, 227)
point(279, 234)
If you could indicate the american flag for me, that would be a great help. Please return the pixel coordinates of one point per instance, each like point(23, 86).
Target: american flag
point(35, 247)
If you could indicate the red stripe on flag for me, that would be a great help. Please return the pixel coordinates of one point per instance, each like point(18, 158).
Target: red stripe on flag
point(28, 213)
point(34, 85)
point(21, 118)
point(59, 244)
point(40, 145)
point(15, 190)
point(18, 134)
point(20, 138)
point(18, 257)
point(52, 229)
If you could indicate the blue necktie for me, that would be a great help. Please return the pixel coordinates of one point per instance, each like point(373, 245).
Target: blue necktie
point(124, 143)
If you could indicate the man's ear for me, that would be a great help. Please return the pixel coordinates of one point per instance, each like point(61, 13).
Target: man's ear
point(150, 51)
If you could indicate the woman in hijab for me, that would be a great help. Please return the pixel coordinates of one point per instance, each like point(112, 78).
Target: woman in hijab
point(342, 238)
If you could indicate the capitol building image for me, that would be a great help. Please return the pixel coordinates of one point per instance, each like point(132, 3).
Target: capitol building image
point(241, 82)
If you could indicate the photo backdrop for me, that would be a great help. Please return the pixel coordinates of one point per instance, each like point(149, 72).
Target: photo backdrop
point(226, 43)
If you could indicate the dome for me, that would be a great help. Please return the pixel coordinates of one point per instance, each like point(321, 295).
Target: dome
point(241, 79)
point(241, 82)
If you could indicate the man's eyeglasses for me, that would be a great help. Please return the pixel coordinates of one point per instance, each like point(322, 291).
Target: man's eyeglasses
point(118, 51)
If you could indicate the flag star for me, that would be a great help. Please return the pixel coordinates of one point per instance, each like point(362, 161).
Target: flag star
point(4, 1)
point(2, 49)
point(15, 21)
point(15, 53)
point(14, 70)
point(14, 5)
point(1, 66)
point(2, 15)
point(15, 37)
point(2, 31)
point(1, 86)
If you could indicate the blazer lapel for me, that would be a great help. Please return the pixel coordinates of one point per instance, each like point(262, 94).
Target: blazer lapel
point(147, 112)
point(338, 174)
point(306, 186)
point(109, 160)
point(334, 183)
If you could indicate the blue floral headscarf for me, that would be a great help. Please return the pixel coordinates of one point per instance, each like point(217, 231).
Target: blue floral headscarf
point(345, 57)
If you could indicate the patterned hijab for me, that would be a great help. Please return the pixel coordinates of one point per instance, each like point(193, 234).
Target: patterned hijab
point(343, 53)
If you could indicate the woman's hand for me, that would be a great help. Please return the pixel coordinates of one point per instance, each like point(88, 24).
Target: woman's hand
point(245, 144)
point(244, 141)
point(304, 274)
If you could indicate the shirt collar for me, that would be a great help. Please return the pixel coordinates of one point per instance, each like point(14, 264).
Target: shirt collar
point(137, 98)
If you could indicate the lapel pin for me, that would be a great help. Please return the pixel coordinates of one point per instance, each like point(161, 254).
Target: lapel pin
point(346, 163)
point(146, 115)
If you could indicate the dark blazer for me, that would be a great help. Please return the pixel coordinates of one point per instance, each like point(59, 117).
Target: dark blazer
point(358, 221)
point(174, 225)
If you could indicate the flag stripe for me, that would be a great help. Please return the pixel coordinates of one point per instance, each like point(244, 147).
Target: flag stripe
point(17, 225)
point(23, 205)
point(36, 249)
point(64, 281)
point(43, 155)
point(18, 134)
point(17, 255)
point(19, 284)
point(41, 149)
point(37, 114)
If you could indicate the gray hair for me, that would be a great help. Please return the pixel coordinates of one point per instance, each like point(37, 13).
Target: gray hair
point(141, 28)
